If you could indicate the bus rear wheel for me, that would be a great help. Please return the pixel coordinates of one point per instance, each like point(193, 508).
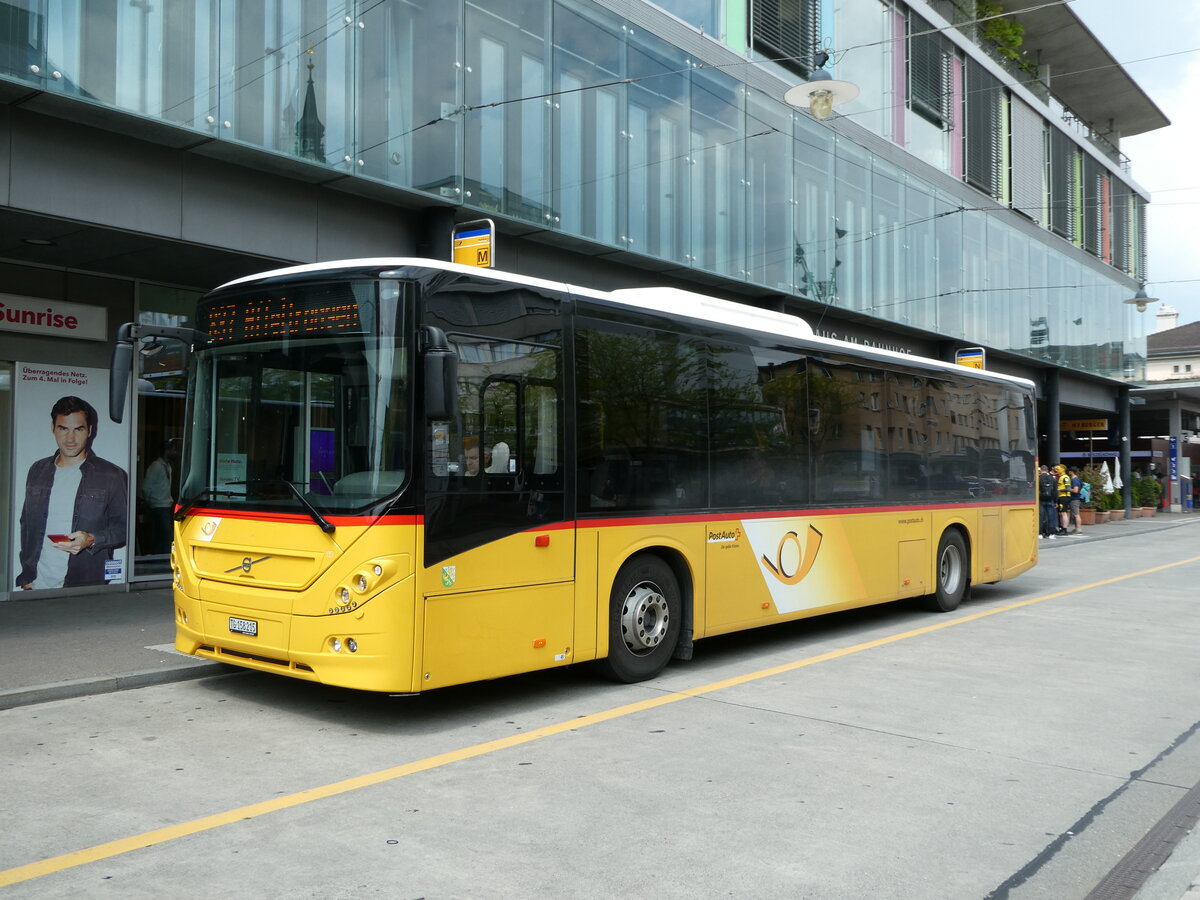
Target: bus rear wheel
point(951, 573)
point(644, 617)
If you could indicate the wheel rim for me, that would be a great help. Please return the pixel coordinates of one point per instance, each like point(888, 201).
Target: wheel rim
point(950, 570)
point(645, 618)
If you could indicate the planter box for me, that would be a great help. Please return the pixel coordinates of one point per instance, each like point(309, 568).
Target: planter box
point(1101, 516)
point(1087, 516)
point(1149, 511)
point(1135, 512)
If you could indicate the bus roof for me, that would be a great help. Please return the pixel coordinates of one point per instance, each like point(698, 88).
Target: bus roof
point(668, 300)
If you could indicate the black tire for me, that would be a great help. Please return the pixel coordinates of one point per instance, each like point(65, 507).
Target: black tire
point(952, 572)
point(645, 612)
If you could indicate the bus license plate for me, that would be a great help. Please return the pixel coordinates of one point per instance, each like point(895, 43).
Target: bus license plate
point(243, 626)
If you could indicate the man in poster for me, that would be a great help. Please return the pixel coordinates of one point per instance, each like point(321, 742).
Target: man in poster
point(76, 506)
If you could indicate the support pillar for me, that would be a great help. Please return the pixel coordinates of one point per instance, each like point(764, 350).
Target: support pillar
point(1124, 463)
point(1053, 418)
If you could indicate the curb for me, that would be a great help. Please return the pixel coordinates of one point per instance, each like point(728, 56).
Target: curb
point(1085, 538)
point(86, 687)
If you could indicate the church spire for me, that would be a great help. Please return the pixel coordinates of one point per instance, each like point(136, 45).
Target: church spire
point(310, 133)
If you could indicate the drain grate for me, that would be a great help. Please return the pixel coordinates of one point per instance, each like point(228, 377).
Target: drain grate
point(1147, 856)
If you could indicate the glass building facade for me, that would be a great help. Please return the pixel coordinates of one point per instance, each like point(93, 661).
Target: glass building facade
point(967, 211)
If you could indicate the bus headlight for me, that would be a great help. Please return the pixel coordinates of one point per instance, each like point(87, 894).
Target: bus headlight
point(336, 644)
point(352, 645)
point(360, 583)
point(343, 595)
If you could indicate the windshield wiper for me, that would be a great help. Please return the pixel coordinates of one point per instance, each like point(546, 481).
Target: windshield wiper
point(326, 526)
point(207, 492)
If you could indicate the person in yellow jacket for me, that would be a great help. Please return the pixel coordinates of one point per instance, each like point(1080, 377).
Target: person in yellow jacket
point(1064, 496)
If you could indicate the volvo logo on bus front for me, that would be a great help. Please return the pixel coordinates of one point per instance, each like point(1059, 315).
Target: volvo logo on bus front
point(247, 564)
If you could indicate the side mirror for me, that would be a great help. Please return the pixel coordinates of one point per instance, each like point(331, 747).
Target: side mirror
point(122, 358)
point(441, 374)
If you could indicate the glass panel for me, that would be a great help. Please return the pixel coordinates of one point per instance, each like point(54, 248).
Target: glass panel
point(506, 142)
point(288, 78)
point(920, 256)
point(948, 240)
point(154, 59)
point(657, 197)
point(407, 90)
point(887, 241)
point(23, 53)
point(718, 173)
point(974, 272)
point(589, 139)
point(852, 169)
point(819, 238)
point(769, 178)
point(865, 26)
point(703, 14)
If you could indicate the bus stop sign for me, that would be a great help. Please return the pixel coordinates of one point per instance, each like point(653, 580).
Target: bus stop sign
point(473, 243)
point(971, 357)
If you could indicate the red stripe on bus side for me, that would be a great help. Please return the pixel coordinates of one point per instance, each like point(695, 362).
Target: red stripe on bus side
point(624, 521)
point(788, 514)
point(290, 518)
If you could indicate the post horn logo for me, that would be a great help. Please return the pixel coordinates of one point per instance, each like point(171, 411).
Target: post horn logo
point(806, 555)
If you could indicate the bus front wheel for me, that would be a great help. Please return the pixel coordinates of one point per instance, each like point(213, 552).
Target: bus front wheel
point(951, 573)
point(643, 622)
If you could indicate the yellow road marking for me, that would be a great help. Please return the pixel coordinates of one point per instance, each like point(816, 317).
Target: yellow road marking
point(207, 823)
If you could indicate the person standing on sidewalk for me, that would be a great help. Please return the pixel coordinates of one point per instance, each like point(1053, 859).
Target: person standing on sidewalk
point(1074, 499)
point(157, 491)
point(1063, 497)
point(1047, 492)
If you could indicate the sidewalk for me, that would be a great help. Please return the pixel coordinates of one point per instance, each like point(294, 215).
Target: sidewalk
point(84, 644)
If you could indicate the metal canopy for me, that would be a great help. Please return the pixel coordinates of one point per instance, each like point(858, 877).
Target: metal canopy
point(1083, 74)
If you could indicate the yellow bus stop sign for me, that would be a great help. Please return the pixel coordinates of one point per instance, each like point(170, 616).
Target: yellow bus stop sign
point(473, 243)
point(971, 357)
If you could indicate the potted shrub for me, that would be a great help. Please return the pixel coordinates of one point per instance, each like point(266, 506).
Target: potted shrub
point(1090, 509)
point(1116, 506)
point(1148, 494)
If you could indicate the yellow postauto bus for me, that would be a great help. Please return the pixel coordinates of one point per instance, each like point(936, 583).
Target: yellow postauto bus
point(403, 474)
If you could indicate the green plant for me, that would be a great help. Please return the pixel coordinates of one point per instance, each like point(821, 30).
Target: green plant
point(1008, 36)
point(1147, 491)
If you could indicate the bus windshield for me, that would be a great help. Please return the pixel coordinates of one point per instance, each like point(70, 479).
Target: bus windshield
point(294, 409)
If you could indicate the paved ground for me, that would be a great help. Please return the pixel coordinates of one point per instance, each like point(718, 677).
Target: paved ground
point(94, 643)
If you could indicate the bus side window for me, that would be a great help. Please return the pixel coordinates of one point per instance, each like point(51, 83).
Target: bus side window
point(498, 432)
point(541, 430)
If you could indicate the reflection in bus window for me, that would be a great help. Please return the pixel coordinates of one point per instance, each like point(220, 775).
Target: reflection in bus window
point(643, 419)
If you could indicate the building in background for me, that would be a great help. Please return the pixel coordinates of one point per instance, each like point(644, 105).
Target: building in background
point(974, 194)
point(1169, 433)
